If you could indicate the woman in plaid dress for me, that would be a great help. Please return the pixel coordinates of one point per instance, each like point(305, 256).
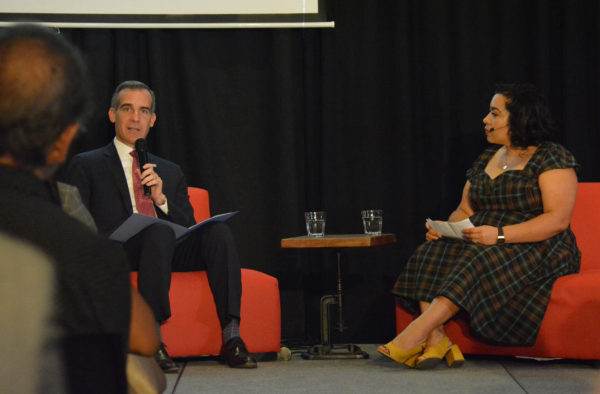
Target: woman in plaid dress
point(519, 196)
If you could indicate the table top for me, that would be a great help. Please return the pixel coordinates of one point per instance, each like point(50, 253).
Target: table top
point(338, 241)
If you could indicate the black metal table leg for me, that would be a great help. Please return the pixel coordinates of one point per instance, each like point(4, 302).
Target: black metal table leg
point(326, 349)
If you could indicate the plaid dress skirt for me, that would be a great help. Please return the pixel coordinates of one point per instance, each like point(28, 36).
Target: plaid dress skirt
point(504, 289)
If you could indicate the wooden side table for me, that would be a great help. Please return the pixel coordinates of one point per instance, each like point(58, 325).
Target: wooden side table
point(338, 242)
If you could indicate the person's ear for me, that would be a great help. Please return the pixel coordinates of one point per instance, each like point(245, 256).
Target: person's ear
point(152, 119)
point(60, 148)
point(112, 115)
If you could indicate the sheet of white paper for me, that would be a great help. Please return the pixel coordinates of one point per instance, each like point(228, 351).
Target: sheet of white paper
point(450, 229)
point(458, 227)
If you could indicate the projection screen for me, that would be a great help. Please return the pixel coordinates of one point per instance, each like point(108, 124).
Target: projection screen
point(178, 14)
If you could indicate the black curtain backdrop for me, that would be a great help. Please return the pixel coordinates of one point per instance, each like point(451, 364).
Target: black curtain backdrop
point(384, 111)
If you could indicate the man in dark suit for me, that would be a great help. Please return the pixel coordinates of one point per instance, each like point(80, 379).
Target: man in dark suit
point(110, 182)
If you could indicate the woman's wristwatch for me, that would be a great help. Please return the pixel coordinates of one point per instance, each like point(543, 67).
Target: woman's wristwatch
point(500, 239)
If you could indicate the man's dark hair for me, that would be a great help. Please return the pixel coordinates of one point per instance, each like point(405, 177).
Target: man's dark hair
point(135, 85)
point(43, 90)
point(530, 119)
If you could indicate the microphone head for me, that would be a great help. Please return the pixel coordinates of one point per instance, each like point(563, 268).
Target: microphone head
point(140, 145)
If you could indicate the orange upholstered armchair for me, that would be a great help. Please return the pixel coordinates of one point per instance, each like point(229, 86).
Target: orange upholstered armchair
point(571, 326)
point(194, 327)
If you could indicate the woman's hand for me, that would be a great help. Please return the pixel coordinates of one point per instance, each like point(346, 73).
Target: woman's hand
point(431, 234)
point(483, 235)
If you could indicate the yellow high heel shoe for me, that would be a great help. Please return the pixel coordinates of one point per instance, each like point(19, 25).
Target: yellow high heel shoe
point(412, 361)
point(435, 354)
point(454, 357)
point(406, 357)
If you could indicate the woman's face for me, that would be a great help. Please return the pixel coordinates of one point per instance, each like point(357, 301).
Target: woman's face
point(496, 121)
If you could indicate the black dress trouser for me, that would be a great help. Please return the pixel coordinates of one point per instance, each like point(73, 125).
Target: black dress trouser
point(154, 253)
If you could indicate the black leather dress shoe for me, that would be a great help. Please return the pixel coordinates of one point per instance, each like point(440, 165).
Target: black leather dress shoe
point(236, 355)
point(164, 361)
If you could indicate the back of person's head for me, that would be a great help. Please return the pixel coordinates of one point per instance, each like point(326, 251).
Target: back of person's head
point(43, 90)
point(530, 119)
point(134, 85)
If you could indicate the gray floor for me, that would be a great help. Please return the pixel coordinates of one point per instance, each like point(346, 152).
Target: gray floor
point(378, 374)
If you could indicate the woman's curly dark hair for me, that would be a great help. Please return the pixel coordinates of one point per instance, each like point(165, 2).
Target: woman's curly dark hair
point(530, 120)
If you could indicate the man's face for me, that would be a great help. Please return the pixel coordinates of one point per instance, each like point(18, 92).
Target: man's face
point(133, 117)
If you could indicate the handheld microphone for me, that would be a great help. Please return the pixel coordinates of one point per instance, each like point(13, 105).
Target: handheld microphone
point(141, 149)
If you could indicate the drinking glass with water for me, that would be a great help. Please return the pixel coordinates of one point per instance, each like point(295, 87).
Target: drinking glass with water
point(315, 223)
point(372, 221)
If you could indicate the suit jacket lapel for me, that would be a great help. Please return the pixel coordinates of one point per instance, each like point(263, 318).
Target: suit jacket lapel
point(115, 168)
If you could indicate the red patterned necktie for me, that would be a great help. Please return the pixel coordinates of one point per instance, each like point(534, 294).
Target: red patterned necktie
point(144, 204)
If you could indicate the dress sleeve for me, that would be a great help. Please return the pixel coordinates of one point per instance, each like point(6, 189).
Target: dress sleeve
point(557, 157)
